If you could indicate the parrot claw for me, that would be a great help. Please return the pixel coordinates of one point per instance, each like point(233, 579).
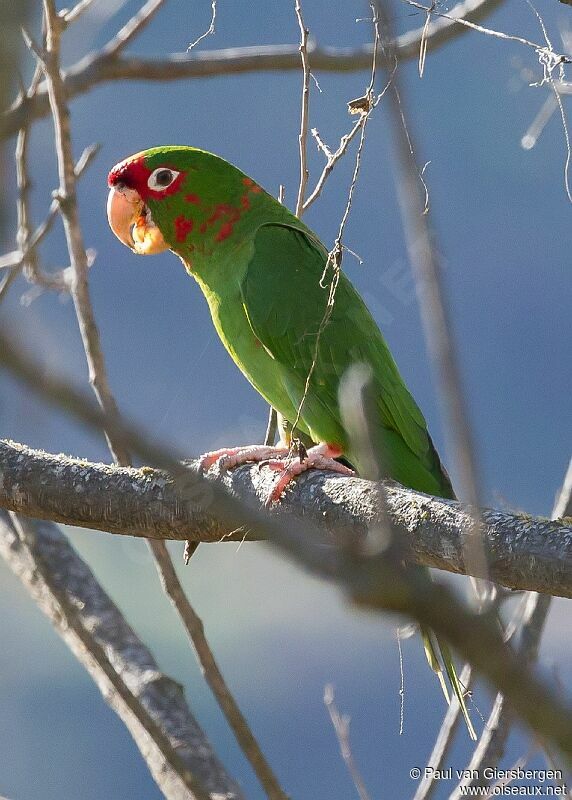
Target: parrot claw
point(321, 456)
point(279, 459)
point(229, 457)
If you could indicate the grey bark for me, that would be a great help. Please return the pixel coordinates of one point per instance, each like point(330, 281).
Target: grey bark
point(523, 552)
point(103, 66)
point(151, 704)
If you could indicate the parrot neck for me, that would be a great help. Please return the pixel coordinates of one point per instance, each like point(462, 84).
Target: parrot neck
point(213, 238)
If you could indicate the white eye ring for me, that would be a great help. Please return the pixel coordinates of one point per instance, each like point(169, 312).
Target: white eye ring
point(161, 178)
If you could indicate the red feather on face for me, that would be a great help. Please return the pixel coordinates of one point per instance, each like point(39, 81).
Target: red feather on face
point(134, 174)
point(127, 212)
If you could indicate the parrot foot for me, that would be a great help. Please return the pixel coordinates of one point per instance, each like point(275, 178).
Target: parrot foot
point(321, 456)
point(229, 457)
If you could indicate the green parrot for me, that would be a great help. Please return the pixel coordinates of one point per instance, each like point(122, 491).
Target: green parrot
point(261, 270)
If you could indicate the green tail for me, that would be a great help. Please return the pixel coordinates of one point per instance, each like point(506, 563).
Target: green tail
point(447, 659)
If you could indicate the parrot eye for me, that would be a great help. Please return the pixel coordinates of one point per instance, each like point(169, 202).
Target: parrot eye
point(162, 178)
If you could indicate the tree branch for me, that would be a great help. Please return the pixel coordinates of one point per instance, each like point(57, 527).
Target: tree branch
point(443, 742)
point(435, 312)
point(151, 705)
point(491, 746)
point(100, 383)
point(99, 67)
point(67, 198)
point(303, 135)
point(212, 674)
point(378, 581)
point(133, 28)
point(523, 552)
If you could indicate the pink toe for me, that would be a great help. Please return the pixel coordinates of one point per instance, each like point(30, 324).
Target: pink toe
point(275, 464)
point(278, 488)
point(208, 459)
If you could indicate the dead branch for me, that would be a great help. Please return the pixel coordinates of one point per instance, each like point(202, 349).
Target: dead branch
point(377, 582)
point(491, 746)
point(211, 671)
point(67, 198)
point(341, 726)
point(523, 552)
point(331, 159)
point(435, 312)
point(14, 262)
point(98, 373)
point(303, 135)
point(443, 742)
point(102, 66)
point(131, 29)
point(151, 704)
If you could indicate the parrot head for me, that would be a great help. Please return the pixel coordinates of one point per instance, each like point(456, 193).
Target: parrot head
point(134, 184)
point(181, 199)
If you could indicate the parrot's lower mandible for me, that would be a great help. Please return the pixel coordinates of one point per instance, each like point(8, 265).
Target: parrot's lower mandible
point(261, 269)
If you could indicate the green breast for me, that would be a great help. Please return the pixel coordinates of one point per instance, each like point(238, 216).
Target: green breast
point(257, 365)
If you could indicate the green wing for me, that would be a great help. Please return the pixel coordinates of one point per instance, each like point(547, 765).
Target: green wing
point(285, 304)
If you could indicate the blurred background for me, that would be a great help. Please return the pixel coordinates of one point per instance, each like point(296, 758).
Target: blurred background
point(502, 219)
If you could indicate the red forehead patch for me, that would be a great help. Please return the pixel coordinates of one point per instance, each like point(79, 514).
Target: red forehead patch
point(135, 174)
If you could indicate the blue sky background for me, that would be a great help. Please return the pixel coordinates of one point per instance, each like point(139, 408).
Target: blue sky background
point(502, 219)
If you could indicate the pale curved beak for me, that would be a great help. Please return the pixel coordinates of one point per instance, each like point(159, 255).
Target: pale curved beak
point(131, 222)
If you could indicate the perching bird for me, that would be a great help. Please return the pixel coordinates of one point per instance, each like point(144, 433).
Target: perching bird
point(261, 270)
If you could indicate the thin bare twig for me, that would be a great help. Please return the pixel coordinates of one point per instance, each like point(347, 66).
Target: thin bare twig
point(341, 725)
point(332, 159)
point(303, 135)
point(26, 257)
point(434, 312)
point(75, 13)
point(363, 106)
point(377, 582)
point(209, 31)
point(491, 745)
point(17, 257)
point(428, 784)
point(100, 67)
point(444, 740)
point(30, 264)
point(151, 705)
point(7, 280)
point(14, 261)
point(211, 672)
point(423, 42)
point(401, 686)
point(480, 28)
point(566, 138)
point(23, 182)
point(563, 503)
point(550, 61)
point(130, 30)
point(334, 259)
point(67, 199)
point(100, 383)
